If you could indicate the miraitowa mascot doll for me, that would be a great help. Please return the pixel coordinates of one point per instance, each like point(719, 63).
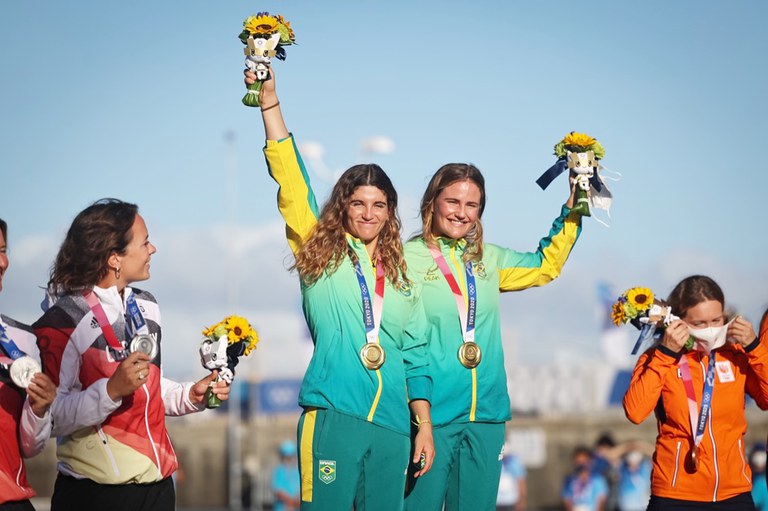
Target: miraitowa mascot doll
point(580, 154)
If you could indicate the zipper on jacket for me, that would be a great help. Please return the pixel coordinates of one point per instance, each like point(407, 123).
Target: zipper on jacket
point(743, 463)
point(677, 463)
point(111, 456)
point(463, 286)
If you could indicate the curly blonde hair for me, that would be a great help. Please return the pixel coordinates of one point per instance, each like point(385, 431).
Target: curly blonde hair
point(444, 177)
point(326, 246)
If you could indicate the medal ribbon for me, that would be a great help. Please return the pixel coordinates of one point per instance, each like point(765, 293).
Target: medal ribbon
point(466, 307)
point(101, 317)
point(137, 324)
point(371, 313)
point(9, 347)
point(698, 420)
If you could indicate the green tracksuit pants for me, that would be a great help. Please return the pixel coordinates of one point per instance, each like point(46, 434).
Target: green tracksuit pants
point(346, 461)
point(466, 471)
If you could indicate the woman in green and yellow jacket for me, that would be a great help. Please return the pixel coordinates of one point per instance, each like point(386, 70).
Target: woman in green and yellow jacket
point(461, 279)
point(367, 323)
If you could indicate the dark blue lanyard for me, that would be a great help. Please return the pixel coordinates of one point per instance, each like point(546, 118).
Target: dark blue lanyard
point(137, 321)
point(706, 397)
point(9, 347)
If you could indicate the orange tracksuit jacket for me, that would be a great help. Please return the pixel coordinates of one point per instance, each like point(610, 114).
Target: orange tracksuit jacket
point(658, 386)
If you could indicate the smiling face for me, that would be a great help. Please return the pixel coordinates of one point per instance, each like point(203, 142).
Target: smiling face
point(456, 209)
point(366, 213)
point(134, 262)
point(3, 258)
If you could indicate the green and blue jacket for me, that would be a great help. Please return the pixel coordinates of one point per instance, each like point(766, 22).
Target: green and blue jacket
point(479, 394)
point(336, 377)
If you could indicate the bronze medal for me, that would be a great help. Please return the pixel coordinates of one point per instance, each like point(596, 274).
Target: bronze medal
point(470, 355)
point(372, 355)
point(695, 456)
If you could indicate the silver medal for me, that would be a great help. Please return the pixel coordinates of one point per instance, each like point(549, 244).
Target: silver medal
point(144, 344)
point(23, 369)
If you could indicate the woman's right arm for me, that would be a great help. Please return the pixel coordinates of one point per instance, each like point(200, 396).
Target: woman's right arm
point(295, 198)
point(651, 371)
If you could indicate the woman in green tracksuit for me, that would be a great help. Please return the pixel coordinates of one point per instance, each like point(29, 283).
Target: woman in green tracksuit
point(361, 311)
point(461, 278)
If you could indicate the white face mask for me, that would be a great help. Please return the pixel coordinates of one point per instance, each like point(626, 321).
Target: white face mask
point(710, 338)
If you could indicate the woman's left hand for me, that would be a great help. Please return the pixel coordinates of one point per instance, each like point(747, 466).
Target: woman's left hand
point(424, 444)
point(198, 390)
point(741, 331)
point(41, 392)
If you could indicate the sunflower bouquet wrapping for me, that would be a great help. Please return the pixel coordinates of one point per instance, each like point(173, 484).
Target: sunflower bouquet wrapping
point(641, 308)
point(264, 37)
point(580, 153)
point(221, 349)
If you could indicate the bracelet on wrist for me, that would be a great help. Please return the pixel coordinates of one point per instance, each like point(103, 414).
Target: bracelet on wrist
point(418, 422)
point(270, 106)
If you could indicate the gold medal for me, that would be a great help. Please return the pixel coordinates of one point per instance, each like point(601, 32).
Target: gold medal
point(470, 355)
point(372, 355)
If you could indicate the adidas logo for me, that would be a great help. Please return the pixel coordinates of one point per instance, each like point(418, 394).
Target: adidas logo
point(94, 323)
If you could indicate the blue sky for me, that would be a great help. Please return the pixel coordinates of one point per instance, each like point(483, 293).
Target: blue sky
point(135, 100)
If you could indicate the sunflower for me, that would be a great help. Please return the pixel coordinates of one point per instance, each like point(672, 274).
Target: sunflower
point(286, 32)
point(208, 332)
point(640, 297)
point(617, 313)
point(252, 340)
point(238, 328)
point(578, 140)
point(261, 24)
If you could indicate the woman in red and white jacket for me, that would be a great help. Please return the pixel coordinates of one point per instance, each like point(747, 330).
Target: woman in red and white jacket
point(698, 396)
point(100, 343)
point(25, 419)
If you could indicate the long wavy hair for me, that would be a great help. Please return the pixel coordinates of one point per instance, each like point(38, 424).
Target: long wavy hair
point(693, 290)
point(98, 231)
point(326, 246)
point(444, 177)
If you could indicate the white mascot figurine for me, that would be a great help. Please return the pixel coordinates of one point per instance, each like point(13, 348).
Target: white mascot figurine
point(258, 53)
point(213, 355)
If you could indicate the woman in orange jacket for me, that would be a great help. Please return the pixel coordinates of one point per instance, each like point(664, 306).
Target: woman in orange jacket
point(698, 396)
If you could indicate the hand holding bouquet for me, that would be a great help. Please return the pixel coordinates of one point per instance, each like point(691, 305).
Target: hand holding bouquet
point(638, 306)
point(264, 37)
point(224, 344)
point(580, 153)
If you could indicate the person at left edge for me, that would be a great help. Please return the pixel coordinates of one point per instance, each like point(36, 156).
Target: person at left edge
point(25, 418)
point(354, 432)
point(113, 448)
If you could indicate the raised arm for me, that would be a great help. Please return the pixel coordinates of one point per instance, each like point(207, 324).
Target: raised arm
point(295, 198)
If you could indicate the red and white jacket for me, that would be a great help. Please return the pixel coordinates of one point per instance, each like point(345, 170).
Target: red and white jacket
point(22, 432)
point(106, 441)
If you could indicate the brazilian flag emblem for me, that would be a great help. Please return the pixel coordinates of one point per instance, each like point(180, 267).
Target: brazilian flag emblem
point(327, 471)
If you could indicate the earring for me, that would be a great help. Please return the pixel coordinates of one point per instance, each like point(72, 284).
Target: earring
point(117, 273)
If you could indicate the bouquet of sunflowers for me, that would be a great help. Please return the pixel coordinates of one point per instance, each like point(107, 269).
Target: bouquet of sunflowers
point(264, 37)
point(221, 349)
point(580, 153)
point(642, 309)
